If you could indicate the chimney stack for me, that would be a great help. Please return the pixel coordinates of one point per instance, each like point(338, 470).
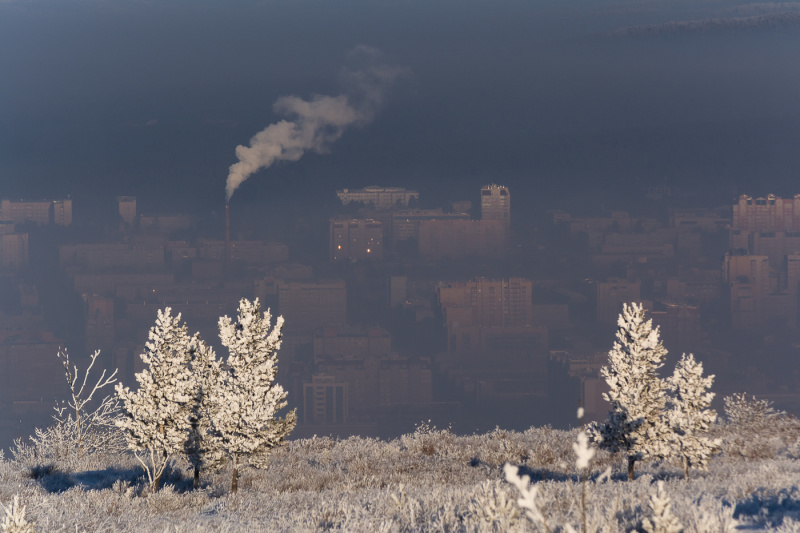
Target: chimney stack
point(227, 257)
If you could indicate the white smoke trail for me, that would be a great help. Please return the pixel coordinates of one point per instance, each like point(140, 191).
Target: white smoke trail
point(316, 123)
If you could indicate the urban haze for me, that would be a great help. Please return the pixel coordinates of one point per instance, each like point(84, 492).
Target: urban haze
point(449, 202)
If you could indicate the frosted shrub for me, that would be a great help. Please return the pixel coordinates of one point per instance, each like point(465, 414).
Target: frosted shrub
point(77, 430)
point(755, 430)
point(493, 506)
point(748, 412)
point(14, 520)
point(428, 440)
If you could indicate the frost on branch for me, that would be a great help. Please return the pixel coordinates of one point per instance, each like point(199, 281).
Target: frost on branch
point(637, 395)
point(156, 415)
point(81, 426)
point(247, 428)
point(749, 412)
point(690, 417)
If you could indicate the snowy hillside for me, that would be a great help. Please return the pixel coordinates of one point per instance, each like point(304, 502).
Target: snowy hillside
point(431, 480)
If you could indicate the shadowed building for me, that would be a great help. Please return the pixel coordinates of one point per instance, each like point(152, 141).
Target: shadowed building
point(453, 239)
point(127, 209)
point(312, 305)
point(41, 212)
point(469, 307)
point(612, 294)
point(13, 251)
point(352, 239)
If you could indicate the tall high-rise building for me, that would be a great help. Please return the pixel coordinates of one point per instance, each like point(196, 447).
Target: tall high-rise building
point(496, 204)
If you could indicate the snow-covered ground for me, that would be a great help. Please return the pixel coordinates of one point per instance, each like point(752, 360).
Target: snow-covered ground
point(431, 480)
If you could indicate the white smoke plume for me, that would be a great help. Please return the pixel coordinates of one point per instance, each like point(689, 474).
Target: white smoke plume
point(316, 123)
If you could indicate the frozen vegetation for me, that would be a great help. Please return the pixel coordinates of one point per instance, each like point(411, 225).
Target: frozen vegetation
point(429, 480)
point(205, 451)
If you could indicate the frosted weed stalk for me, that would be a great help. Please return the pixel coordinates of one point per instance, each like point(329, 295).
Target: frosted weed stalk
point(528, 495)
point(584, 454)
point(14, 520)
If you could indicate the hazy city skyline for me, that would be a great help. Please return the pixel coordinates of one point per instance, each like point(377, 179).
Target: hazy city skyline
point(626, 132)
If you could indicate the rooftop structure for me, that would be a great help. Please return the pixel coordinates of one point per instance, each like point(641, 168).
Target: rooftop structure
point(379, 197)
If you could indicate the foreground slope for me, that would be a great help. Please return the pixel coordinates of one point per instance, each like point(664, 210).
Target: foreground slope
point(430, 480)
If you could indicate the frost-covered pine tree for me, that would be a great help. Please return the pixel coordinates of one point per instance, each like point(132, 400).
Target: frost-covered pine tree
point(690, 416)
point(637, 395)
point(200, 447)
point(247, 428)
point(156, 416)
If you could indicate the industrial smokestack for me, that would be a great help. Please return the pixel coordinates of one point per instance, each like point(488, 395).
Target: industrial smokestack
point(227, 256)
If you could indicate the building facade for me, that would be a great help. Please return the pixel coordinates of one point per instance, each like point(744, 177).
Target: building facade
point(353, 239)
point(496, 204)
point(379, 197)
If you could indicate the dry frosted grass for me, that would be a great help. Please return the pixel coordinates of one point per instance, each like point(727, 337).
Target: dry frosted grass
point(431, 480)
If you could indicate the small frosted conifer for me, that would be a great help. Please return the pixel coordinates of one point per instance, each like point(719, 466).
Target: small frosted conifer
point(637, 395)
point(247, 428)
point(690, 416)
point(663, 521)
point(156, 416)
